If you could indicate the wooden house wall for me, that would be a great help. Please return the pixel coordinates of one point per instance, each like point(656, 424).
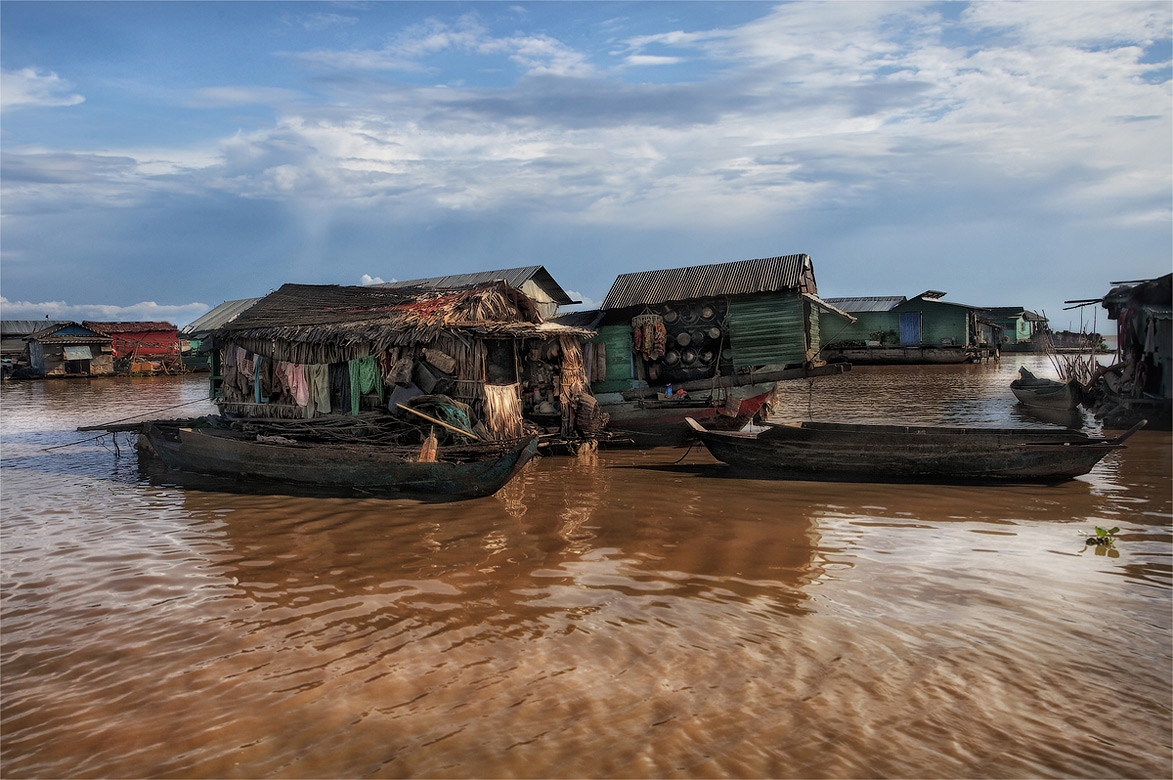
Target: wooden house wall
point(620, 359)
point(866, 323)
point(940, 322)
point(50, 360)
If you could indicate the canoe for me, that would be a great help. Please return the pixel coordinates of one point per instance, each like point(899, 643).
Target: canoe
point(933, 453)
point(1045, 393)
point(460, 471)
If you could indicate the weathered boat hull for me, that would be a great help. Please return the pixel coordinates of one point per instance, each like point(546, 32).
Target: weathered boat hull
point(227, 453)
point(839, 451)
point(1046, 394)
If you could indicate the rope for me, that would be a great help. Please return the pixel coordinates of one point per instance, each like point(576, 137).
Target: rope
point(691, 444)
point(156, 411)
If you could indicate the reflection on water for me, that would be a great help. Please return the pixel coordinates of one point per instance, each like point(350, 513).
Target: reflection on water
point(617, 614)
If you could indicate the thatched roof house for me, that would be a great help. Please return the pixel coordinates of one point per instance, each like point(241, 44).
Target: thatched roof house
point(371, 348)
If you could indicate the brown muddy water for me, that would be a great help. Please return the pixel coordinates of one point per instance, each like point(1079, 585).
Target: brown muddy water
point(615, 615)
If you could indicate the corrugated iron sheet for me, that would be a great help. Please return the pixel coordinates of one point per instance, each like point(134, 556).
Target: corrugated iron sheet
point(27, 327)
point(767, 330)
point(219, 316)
point(514, 277)
point(745, 277)
point(873, 303)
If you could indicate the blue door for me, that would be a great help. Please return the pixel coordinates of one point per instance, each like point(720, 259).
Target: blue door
point(910, 328)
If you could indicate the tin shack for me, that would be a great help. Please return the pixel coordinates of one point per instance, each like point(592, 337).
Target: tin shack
point(706, 341)
point(69, 349)
point(307, 351)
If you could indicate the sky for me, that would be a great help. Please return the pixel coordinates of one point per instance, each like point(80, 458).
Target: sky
point(160, 158)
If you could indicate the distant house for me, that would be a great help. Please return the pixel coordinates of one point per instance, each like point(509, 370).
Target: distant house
point(922, 329)
point(141, 347)
point(533, 280)
point(1020, 327)
point(69, 349)
point(13, 333)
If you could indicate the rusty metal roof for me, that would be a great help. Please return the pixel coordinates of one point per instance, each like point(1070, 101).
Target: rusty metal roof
point(771, 274)
point(514, 277)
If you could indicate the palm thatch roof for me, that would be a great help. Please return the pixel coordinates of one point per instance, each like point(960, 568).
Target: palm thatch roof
point(383, 317)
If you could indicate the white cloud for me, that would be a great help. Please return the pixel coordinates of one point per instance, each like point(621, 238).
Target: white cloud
point(30, 87)
point(218, 97)
point(585, 303)
point(367, 279)
point(146, 311)
point(651, 59)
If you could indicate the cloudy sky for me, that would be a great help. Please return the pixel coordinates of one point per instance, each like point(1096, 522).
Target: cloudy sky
point(160, 158)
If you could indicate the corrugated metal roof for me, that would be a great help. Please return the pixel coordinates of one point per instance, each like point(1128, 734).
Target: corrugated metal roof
point(771, 274)
point(25, 327)
point(514, 277)
point(219, 316)
point(870, 303)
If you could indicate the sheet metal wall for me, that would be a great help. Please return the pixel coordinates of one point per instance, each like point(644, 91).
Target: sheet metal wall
point(620, 369)
point(768, 329)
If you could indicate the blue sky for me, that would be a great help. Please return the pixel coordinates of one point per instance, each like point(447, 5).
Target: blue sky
point(160, 158)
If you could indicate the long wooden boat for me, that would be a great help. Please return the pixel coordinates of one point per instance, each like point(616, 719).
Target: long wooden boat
point(1031, 390)
point(460, 471)
point(854, 451)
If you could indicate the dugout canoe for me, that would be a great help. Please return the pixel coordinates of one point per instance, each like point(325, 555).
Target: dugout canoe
point(930, 453)
point(460, 471)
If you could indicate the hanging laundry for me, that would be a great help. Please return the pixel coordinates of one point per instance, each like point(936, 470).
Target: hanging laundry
point(318, 378)
point(340, 384)
point(364, 378)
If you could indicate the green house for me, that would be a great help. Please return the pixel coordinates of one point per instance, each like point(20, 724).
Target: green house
point(684, 325)
point(1019, 326)
point(923, 329)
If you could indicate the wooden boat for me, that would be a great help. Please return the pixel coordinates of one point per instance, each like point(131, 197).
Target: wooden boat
point(1031, 390)
point(847, 451)
point(460, 471)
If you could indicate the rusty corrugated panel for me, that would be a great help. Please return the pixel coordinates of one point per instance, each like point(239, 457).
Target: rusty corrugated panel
point(514, 277)
point(745, 277)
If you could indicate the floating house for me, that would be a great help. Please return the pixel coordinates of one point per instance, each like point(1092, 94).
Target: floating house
point(1021, 328)
point(1139, 383)
point(70, 349)
point(533, 280)
point(142, 347)
point(13, 333)
point(705, 341)
point(923, 329)
point(307, 351)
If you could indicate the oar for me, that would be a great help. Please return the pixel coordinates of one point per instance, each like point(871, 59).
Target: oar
point(431, 419)
point(1120, 439)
